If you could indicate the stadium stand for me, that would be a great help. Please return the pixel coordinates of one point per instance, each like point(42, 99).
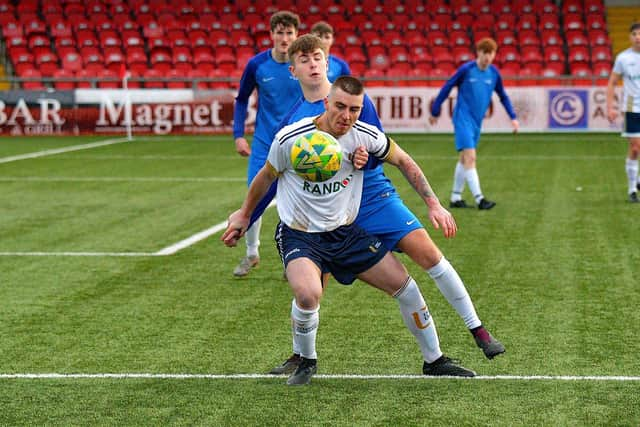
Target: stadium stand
point(212, 39)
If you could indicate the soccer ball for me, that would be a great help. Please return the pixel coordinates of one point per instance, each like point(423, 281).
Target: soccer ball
point(316, 156)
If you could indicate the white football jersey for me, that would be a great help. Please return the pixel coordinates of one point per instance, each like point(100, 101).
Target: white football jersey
point(627, 64)
point(322, 206)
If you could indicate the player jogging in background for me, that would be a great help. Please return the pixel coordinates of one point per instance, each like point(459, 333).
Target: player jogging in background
point(476, 81)
point(627, 68)
point(337, 67)
point(278, 90)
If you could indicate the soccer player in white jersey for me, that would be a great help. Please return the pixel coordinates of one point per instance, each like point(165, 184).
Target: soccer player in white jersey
point(317, 234)
point(627, 68)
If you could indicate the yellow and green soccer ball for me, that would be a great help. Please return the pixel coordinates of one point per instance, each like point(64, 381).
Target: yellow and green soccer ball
point(316, 156)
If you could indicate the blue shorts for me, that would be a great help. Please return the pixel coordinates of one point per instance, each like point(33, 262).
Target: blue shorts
point(631, 127)
point(257, 159)
point(386, 217)
point(344, 252)
point(467, 133)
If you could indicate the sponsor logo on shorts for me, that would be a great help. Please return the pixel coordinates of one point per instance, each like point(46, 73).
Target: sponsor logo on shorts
point(291, 252)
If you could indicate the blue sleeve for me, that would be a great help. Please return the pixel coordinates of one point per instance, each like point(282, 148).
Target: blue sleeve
point(446, 89)
point(369, 114)
point(504, 98)
point(263, 203)
point(346, 71)
point(247, 85)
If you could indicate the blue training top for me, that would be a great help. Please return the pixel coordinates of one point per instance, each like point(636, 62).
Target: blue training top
point(278, 91)
point(475, 88)
point(375, 181)
point(337, 68)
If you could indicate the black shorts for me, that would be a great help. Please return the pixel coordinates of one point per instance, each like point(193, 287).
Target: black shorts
point(344, 252)
point(631, 126)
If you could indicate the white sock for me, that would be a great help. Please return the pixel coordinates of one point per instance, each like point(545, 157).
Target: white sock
point(305, 328)
point(417, 318)
point(471, 175)
point(451, 286)
point(294, 342)
point(252, 237)
point(458, 183)
point(631, 167)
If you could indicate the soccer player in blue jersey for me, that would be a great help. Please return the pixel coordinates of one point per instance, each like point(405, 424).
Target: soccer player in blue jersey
point(337, 67)
point(317, 234)
point(278, 90)
point(476, 81)
point(382, 212)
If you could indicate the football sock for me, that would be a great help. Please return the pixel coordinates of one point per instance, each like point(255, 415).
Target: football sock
point(631, 167)
point(305, 328)
point(451, 286)
point(418, 320)
point(471, 175)
point(458, 183)
point(253, 238)
point(295, 345)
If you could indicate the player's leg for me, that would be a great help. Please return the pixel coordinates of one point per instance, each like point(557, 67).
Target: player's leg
point(390, 276)
point(423, 251)
point(467, 137)
point(252, 236)
point(631, 168)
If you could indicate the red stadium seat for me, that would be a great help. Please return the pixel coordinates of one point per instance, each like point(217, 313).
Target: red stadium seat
point(22, 62)
point(47, 63)
point(64, 84)
point(37, 84)
point(108, 79)
point(152, 79)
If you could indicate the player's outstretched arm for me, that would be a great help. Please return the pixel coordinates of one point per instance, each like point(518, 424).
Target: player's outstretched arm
point(438, 215)
point(239, 220)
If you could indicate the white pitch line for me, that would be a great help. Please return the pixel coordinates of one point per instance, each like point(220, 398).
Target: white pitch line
point(117, 179)
point(87, 254)
point(192, 240)
point(61, 150)
point(618, 378)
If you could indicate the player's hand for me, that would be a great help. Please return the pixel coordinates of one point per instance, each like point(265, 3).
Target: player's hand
point(360, 157)
point(433, 120)
point(242, 147)
point(612, 115)
point(442, 218)
point(515, 125)
point(236, 228)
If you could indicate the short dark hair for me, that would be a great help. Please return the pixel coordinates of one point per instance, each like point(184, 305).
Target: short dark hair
point(348, 84)
point(286, 19)
point(307, 43)
point(321, 28)
point(634, 26)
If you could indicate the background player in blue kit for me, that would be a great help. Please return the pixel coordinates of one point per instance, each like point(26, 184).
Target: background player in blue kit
point(337, 67)
point(476, 81)
point(382, 212)
point(278, 90)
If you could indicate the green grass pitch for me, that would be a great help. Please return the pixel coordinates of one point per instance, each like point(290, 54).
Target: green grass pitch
point(553, 273)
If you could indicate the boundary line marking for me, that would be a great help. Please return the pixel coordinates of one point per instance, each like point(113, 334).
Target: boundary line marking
point(169, 250)
point(192, 240)
point(320, 376)
point(118, 179)
point(43, 153)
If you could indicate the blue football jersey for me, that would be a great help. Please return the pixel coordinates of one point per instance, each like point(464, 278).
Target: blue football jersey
point(475, 87)
point(277, 90)
point(337, 68)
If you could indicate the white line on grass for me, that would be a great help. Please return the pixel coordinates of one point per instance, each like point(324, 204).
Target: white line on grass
point(321, 376)
point(169, 250)
point(61, 150)
point(117, 179)
point(192, 240)
point(88, 254)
